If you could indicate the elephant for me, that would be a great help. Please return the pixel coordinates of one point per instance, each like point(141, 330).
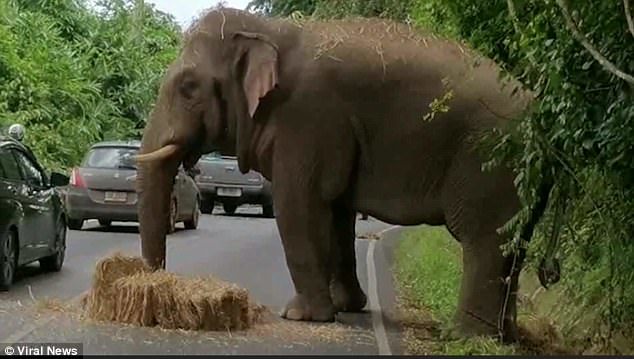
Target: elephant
point(344, 116)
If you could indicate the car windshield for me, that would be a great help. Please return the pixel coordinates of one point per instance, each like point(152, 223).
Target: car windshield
point(111, 157)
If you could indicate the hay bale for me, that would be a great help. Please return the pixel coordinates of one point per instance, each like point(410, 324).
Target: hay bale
point(102, 301)
point(125, 290)
point(218, 304)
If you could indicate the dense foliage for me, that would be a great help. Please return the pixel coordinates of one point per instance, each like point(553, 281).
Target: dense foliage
point(74, 74)
point(398, 9)
point(581, 132)
point(283, 8)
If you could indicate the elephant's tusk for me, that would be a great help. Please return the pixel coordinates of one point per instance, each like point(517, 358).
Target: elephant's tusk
point(160, 154)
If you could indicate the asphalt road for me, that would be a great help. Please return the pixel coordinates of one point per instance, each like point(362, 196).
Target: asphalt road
point(244, 249)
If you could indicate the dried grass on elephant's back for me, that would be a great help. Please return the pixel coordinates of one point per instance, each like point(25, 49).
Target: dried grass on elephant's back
point(125, 290)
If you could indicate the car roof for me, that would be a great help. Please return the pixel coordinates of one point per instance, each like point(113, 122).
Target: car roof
point(129, 143)
point(7, 141)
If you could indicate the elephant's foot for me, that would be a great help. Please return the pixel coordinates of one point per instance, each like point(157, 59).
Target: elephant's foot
point(469, 324)
point(301, 309)
point(347, 298)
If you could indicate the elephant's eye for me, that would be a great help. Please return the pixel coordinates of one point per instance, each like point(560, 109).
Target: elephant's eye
point(188, 88)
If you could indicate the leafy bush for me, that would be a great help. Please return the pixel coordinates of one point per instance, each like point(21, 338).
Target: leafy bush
point(74, 75)
point(283, 7)
point(398, 9)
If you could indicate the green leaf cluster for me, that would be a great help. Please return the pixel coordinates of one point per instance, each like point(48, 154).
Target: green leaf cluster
point(74, 73)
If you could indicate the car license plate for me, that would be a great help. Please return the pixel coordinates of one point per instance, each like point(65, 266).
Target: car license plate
point(116, 197)
point(229, 192)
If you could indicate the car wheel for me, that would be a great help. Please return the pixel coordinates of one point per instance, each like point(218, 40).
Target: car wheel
point(171, 227)
point(8, 260)
point(55, 262)
point(105, 222)
point(75, 224)
point(193, 223)
point(207, 207)
point(268, 211)
point(229, 208)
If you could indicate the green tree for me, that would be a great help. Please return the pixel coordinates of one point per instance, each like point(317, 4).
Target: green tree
point(282, 7)
point(73, 74)
point(334, 8)
point(129, 51)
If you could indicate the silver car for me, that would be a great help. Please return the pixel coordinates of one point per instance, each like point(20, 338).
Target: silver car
point(103, 188)
point(220, 181)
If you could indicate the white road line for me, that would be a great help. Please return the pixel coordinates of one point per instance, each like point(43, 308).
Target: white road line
point(375, 305)
point(29, 328)
point(381, 233)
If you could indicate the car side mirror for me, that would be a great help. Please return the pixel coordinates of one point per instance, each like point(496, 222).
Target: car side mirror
point(59, 180)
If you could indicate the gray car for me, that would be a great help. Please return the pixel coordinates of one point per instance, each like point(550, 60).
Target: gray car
point(103, 188)
point(220, 181)
point(32, 217)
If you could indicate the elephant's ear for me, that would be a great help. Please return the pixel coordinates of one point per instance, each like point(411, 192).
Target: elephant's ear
point(258, 75)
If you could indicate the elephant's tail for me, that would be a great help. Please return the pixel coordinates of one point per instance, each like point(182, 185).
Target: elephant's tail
point(549, 268)
point(538, 210)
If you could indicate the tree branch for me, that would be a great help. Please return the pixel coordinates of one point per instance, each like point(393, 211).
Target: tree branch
point(516, 26)
point(628, 16)
point(607, 65)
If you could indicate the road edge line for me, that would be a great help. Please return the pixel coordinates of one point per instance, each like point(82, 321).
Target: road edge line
point(29, 328)
point(375, 306)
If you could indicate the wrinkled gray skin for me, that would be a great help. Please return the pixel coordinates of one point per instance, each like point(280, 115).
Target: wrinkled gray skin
point(333, 114)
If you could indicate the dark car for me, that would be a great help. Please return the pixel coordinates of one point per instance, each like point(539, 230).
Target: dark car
point(32, 216)
point(220, 180)
point(103, 188)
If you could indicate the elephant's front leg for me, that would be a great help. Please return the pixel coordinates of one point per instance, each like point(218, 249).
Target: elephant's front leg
point(345, 289)
point(306, 224)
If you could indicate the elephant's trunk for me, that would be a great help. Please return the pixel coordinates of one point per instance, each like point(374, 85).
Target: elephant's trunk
point(154, 187)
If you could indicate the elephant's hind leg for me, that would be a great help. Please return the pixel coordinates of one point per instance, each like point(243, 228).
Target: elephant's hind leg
point(488, 293)
point(345, 289)
point(477, 203)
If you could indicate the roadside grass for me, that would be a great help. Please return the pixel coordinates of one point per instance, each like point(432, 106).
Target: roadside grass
point(428, 269)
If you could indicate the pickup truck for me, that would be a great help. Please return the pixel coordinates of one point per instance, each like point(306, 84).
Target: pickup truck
point(220, 181)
